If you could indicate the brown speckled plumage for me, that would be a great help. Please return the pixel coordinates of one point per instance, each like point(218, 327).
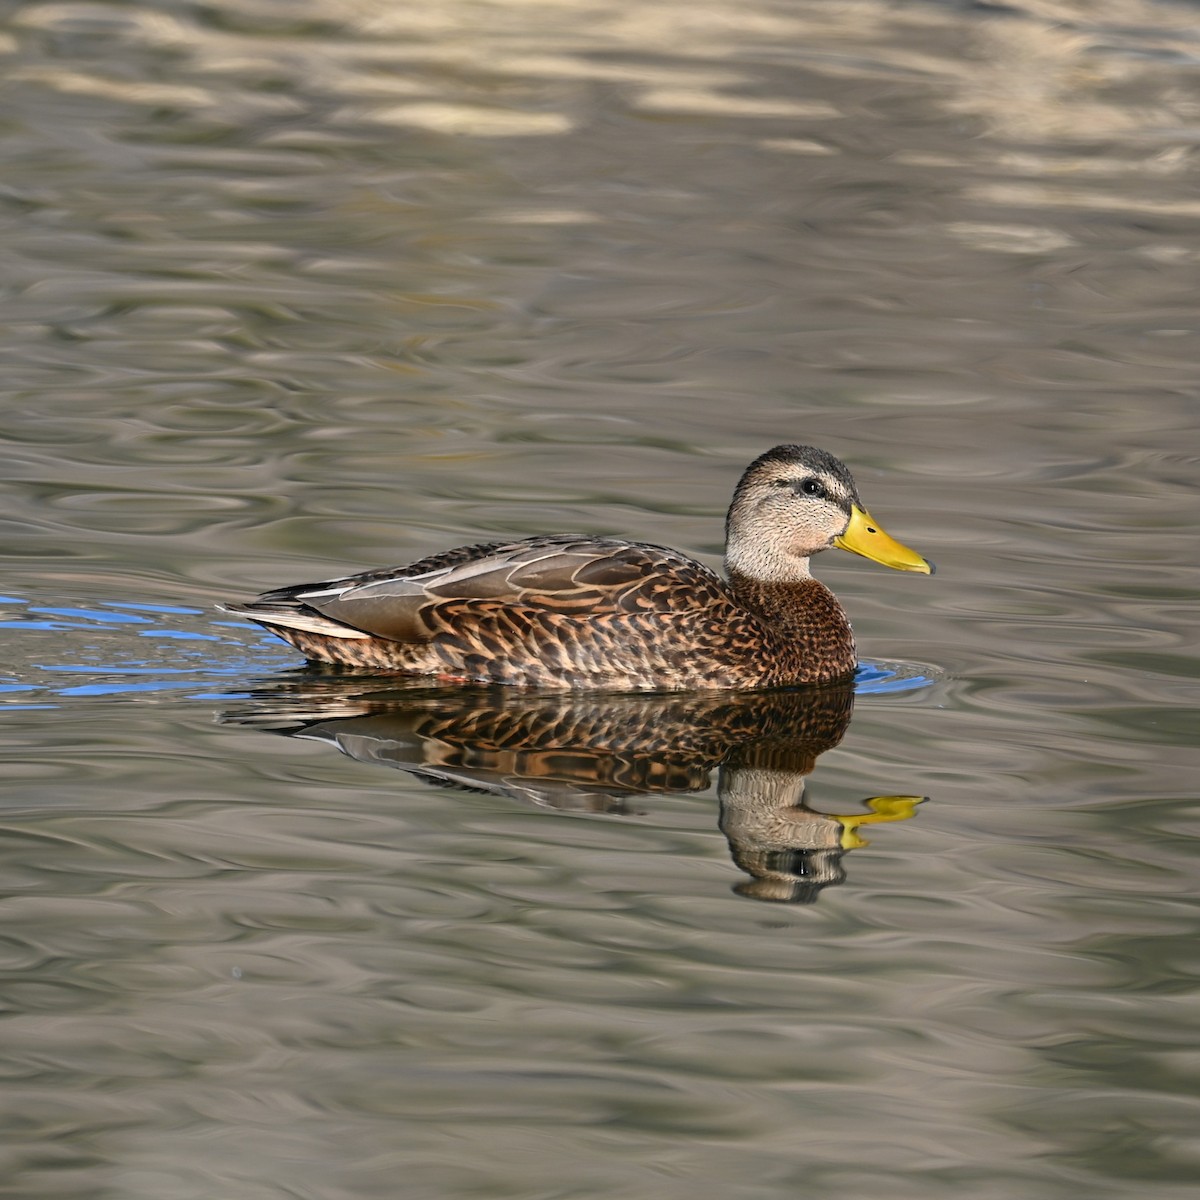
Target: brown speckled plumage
point(570, 611)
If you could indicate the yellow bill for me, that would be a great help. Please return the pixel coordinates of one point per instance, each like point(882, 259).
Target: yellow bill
point(883, 808)
point(863, 536)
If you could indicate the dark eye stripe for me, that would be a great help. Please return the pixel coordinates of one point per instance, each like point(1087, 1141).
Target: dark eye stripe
point(805, 487)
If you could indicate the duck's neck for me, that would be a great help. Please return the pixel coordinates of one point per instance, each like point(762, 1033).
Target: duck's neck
point(807, 618)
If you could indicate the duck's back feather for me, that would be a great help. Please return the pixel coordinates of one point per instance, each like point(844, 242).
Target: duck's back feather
point(559, 610)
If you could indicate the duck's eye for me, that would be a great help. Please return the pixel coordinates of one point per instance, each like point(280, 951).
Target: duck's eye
point(811, 487)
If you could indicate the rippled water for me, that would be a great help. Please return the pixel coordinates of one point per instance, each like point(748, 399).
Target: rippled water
point(296, 288)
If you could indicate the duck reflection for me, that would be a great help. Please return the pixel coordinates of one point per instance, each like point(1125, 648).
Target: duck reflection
point(594, 752)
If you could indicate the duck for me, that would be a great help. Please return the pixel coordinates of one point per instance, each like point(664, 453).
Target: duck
point(573, 611)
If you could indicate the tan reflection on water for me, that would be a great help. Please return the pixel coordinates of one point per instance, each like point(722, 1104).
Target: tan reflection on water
point(593, 753)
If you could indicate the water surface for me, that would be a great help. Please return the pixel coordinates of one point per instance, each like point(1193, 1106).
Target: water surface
point(296, 289)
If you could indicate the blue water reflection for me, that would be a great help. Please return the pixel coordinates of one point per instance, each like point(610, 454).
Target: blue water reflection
point(216, 649)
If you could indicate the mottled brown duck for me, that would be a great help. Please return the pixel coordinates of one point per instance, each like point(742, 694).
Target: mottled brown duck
point(572, 611)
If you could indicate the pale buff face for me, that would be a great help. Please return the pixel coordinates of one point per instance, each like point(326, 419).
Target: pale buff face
point(790, 504)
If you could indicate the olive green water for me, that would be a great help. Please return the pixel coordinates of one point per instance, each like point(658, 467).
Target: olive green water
point(295, 288)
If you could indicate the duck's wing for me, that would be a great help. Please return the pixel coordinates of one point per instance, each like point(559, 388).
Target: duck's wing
point(571, 576)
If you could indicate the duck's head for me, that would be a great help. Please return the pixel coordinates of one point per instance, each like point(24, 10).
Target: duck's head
point(795, 501)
